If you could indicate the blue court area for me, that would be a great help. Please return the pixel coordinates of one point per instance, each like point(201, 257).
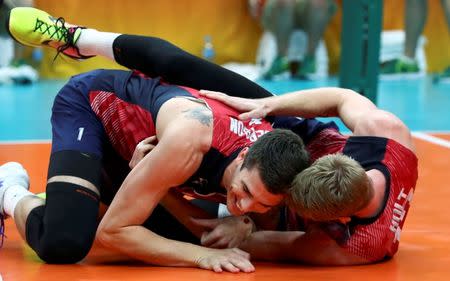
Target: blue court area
point(420, 103)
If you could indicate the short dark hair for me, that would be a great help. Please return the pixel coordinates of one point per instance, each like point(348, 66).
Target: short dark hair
point(279, 156)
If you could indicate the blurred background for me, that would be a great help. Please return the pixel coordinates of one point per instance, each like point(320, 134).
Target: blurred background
point(396, 52)
point(235, 29)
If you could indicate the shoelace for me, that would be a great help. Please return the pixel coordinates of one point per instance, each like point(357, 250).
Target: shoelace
point(70, 41)
point(60, 33)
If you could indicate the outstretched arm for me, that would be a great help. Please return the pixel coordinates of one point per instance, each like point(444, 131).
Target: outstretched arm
point(312, 247)
point(357, 112)
point(320, 102)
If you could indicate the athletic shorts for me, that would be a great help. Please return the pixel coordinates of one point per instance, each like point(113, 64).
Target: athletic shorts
point(74, 125)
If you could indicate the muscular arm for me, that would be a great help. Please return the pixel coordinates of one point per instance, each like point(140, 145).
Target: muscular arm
point(157, 57)
point(357, 112)
point(121, 227)
point(322, 102)
point(311, 247)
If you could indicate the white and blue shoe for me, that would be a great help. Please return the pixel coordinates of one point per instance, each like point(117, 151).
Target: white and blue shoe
point(11, 173)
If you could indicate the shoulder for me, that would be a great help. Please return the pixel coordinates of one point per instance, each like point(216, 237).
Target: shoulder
point(185, 123)
point(381, 123)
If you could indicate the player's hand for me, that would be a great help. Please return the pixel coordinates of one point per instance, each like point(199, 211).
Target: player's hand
point(227, 232)
point(251, 108)
point(142, 149)
point(232, 260)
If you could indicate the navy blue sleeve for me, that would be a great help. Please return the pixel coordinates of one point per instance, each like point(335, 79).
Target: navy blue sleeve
point(306, 128)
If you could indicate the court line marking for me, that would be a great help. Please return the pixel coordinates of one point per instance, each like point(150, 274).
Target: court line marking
point(432, 139)
point(25, 142)
point(423, 135)
point(434, 132)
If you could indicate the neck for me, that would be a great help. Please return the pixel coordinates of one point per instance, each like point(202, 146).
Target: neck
point(376, 203)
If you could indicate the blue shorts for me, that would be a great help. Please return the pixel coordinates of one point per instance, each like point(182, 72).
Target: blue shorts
point(77, 127)
point(74, 125)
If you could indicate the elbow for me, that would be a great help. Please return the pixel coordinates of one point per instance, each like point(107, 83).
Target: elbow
point(344, 92)
point(107, 236)
point(349, 92)
point(383, 121)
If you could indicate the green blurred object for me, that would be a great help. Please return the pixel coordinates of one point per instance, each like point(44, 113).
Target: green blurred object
point(360, 46)
point(307, 67)
point(396, 66)
point(446, 73)
point(42, 195)
point(18, 62)
point(279, 65)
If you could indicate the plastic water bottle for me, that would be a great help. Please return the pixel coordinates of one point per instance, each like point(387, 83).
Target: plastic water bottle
point(208, 52)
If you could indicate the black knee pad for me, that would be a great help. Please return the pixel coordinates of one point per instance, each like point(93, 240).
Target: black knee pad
point(77, 164)
point(63, 230)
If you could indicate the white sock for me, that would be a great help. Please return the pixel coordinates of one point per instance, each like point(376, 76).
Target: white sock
point(13, 195)
point(93, 42)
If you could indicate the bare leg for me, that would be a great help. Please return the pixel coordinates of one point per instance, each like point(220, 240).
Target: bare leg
point(415, 17)
point(446, 8)
point(317, 16)
point(23, 209)
point(278, 18)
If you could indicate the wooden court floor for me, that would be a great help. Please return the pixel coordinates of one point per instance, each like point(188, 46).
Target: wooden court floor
point(424, 252)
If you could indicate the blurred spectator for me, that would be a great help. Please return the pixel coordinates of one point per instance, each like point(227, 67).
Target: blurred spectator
point(14, 67)
point(281, 17)
point(416, 12)
point(5, 6)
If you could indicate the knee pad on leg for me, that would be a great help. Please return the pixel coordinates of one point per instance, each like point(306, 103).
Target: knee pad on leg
point(63, 230)
point(77, 164)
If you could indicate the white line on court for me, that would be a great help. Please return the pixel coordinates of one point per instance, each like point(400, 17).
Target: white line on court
point(432, 139)
point(25, 142)
point(418, 134)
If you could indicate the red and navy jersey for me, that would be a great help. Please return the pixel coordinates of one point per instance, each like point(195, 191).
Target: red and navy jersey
point(127, 103)
point(375, 238)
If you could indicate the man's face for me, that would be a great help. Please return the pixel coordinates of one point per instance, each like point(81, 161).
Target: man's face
point(247, 193)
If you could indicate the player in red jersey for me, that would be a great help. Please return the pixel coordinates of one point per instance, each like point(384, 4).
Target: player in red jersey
point(99, 115)
point(349, 207)
point(104, 114)
point(132, 51)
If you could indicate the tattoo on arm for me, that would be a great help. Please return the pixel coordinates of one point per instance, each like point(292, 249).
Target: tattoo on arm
point(201, 114)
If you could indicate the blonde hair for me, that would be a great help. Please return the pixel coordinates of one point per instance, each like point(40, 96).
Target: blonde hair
point(334, 186)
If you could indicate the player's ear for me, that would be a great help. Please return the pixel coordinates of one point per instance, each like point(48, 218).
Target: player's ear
point(242, 154)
